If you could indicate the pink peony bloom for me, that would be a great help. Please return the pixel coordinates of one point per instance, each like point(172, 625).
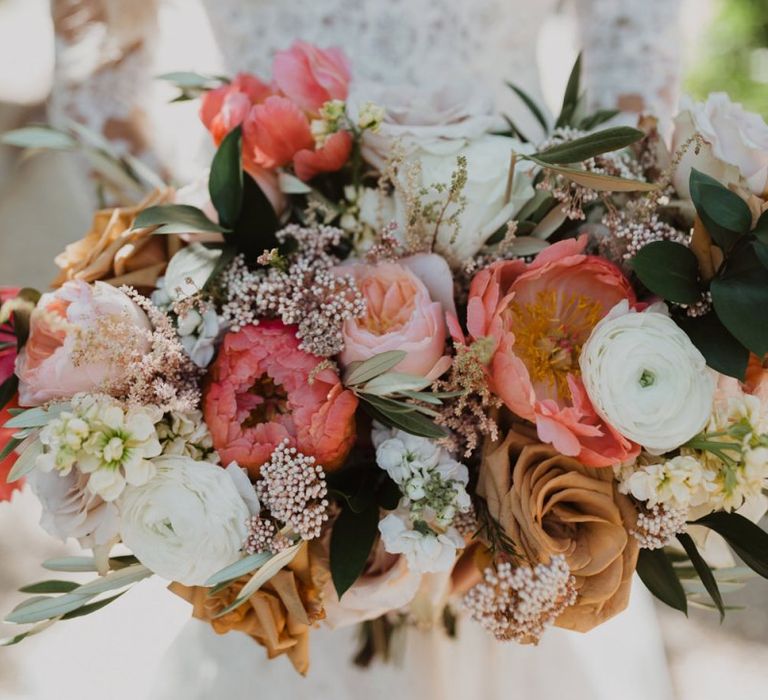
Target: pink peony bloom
point(275, 131)
point(310, 76)
point(262, 389)
point(329, 158)
point(227, 106)
point(46, 366)
point(539, 316)
point(403, 313)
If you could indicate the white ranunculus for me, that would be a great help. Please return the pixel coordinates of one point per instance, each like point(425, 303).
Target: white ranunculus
point(414, 117)
point(187, 523)
point(646, 379)
point(736, 151)
point(189, 270)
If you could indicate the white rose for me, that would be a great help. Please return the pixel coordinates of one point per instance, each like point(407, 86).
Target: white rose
point(187, 523)
point(487, 206)
point(425, 552)
point(736, 148)
point(646, 379)
point(414, 117)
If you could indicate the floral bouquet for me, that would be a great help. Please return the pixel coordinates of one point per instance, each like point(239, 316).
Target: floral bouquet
point(391, 360)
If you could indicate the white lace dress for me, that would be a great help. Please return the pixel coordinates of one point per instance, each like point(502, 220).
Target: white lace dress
point(108, 52)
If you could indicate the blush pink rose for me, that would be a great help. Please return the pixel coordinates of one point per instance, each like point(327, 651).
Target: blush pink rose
point(539, 315)
point(310, 76)
point(401, 314)
point(45, 366)
point(262, 389)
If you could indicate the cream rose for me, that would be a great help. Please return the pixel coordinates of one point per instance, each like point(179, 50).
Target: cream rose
point(488, 206)
point(187, 523)
point(646, 379)
point(406, 306)
point(48, 367)
point(456, 110)
point(736, 149)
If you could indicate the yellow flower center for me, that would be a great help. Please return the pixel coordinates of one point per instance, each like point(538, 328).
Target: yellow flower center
point(549, 333)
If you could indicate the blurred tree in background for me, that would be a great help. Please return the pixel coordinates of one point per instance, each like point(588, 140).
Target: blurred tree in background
point(734, 56)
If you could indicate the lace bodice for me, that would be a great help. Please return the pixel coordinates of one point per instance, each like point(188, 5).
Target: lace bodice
point(109, 51)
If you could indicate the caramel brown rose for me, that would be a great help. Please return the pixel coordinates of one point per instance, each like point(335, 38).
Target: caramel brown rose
point(549, 505)
point(278, 616)
point(114, 253)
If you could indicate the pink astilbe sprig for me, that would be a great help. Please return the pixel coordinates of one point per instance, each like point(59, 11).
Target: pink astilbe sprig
point(293, 489)
point(305, 289)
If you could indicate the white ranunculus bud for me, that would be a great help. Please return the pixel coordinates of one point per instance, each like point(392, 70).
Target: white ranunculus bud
point(187, 523)
point(646, 379)
point(736, 144)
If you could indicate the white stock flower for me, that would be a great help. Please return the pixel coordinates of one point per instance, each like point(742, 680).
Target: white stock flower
point(425, 551)
point(736, 144)
point(187, 523)
point(187, 435)
point(98, 437)
point(646, 379)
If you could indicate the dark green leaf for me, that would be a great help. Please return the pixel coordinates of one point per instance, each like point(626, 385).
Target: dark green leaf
point(9, 447)
point(352, 538)
point(658, 575)
point(255, 229)
point(225, 182)
point(228, 254)
point(703, 570)
point(721, 350)
point(8, 390)
point(373, 367)
point(761, 250)
point(587, 147)
point(725, 215)
point(571, 97)
point(748, 540)
point(530, 103)
point(599, 117)
point(514, 130)
point(739, 294)
point(670, 270)
point(176, 218)
point(412, 422)
point(39, 137)
point(761, 228)
point(53, 586)
point(91, 607)
point(388, 496)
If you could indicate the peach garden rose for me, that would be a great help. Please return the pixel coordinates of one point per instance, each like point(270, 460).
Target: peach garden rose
point(407, 302)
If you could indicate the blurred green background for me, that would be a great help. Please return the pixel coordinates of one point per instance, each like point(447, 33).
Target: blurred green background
point(732, 54)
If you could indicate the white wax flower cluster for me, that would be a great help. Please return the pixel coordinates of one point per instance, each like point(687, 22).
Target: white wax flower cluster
point(433, 487)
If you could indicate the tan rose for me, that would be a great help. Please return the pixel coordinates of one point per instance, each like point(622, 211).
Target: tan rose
point(278, 616)
point(114, 253)
point(550, 504)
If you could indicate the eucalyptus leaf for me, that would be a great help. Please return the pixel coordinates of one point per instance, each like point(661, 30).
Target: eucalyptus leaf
point(658, 575)
point(115, 579)
point(352, 539)
point(9, 447)
point(37, 417)
point(39, 137)
point(72, 564)
point(239, 568)
point(36, 629)
point(599, 117)
point(25, 462)
point(596, 181)
point(670, 270)
point(395, 382)
point(374, 366)
point(53, 586)
point(411, 422)
point(89, 608)
point(571, 96)
point(176, 218)
point(530, 103)
point(189, 79)
point(589, 146)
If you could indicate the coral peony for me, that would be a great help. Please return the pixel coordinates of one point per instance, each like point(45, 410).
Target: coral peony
point(79, 338)
point(402, 313)
point(262, 389)
point(539, 315)
point(329, 158)
point(227, 106)
point(310, 76)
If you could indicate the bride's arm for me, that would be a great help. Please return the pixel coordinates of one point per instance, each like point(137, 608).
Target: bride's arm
point(631, 54)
